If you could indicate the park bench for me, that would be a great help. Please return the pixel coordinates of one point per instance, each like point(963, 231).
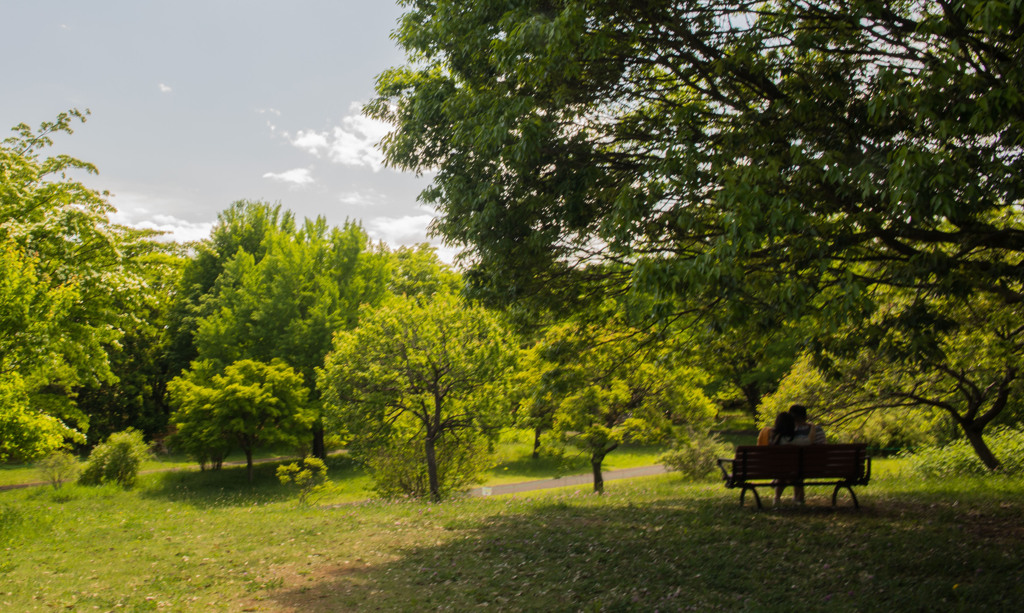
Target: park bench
point(841, 466)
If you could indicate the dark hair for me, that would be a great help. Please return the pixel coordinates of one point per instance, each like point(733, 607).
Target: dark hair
point(798, 411)
point(784, 428)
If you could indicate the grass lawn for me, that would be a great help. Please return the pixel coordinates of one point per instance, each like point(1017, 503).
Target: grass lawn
point(189, 541)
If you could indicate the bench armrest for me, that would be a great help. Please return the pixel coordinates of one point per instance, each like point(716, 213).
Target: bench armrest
point(727, 475)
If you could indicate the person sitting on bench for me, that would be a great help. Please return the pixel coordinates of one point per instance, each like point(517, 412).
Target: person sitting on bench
point(782, 433)
point(806, 433)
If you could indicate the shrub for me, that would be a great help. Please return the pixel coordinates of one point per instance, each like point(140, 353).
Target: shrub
point(400, 469)
point(310, 476)
point(117, 460)
point(59, 467)
point(959, 459)
point(694, 454)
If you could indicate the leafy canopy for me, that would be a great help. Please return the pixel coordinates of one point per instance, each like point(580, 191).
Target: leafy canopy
point(64, 272)
point(747, 156)
point(426, 370)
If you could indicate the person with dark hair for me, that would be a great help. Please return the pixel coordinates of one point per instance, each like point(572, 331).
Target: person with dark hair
point(805, 432)
point(782, 433)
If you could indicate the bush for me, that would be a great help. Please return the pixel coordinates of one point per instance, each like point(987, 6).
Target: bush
point(399, 470)
point(959, 459)
point(310, 476)
point(117, 460)
point(694, 454)
point(59, 467)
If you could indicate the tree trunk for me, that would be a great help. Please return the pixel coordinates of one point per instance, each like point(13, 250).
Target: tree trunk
point(595, 463)
point(981, 448)
point(248, 462)
point(319, 448)
point(435, 487)
point(752, 394)
point(536, 443)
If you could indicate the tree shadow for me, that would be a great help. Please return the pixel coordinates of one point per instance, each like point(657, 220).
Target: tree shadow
point(230, 486)
point(668, 555)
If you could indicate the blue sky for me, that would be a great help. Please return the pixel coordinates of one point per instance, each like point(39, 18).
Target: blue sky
point(197, 104)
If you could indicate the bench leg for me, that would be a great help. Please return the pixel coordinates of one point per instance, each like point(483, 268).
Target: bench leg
point(753, 490)
point(853, 496)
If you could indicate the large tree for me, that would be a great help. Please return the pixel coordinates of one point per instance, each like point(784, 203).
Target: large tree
point(723, 149)
point(263, 288)
point(64, 277)
point(755, 161)
point(139, 360)
point(428, 370)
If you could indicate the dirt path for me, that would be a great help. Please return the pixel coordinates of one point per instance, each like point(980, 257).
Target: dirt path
point(584, 479)
point(487, 490)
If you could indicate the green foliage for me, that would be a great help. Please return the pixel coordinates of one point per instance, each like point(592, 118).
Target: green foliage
point(116, 460)
point(27, 432)
point(59, 467)
point(250, 404)
point(263, 288)
point(398, 469)
point(64, 272)
point(420, 371)
point(598, 388)
point(848, 412)
point(736, 159)
point(694, 454)
point(958, 459)
point(139, 361)
point(309, 476)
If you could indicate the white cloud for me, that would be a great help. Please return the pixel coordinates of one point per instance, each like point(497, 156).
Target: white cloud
point(295, 176)
point(165, 89)
point(353, 143)
point(137, 215)
point(362, 198)
point(404, 230)
point(311, 141)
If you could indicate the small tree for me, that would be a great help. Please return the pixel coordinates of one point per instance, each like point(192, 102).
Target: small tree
point(309, 476)
point(117, 460)
point(252, 403)
point(59, 467)
point(607, 387)
point(399, 471)
point(694, 454)
point(420, 371)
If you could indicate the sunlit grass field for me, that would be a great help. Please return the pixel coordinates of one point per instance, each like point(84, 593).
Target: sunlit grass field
point(191, 541)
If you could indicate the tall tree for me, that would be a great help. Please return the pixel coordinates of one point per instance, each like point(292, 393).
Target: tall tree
point(765, 161)
point(243, 227)
point(740, 155)
point(64, 272)
point(139, 360)
point(282, 293)
point(429, 370)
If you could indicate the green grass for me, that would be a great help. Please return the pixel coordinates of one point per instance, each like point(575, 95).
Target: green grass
point(16, 474)
point(189, 541)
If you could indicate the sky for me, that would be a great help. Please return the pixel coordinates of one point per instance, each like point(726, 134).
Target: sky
point(196, 104)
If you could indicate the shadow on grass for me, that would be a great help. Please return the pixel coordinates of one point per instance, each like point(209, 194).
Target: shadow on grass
point(704, 553)
point(230, 486)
